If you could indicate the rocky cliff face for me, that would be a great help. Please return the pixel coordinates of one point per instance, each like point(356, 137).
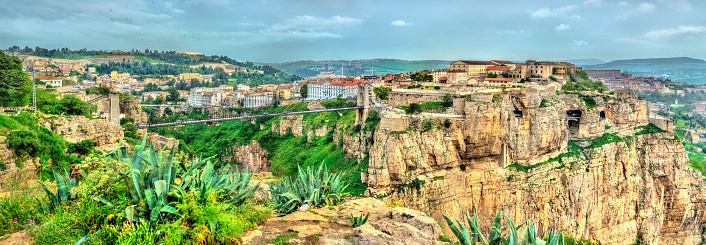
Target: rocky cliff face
point(78, 128)
point(131, 108)
point(251, 156)
point(610, 189)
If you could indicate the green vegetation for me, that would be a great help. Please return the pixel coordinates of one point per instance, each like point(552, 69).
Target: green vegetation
point(357, 221)
point(569, 240)
point(648, 129)
point(15, 85)
point(67, 105)
point(143, 197)
point(338, 103)
point(304, 91)
point(545, 103)
point(381, 92)
point(588, 100)
point(573, 150)
point(311, 187)
point(473, 235)
point(421, 77)
point(414, 108)
point(29, 139)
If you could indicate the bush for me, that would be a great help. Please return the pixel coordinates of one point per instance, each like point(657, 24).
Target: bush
point(24, 142)
point(649, 129)
point(588, 100)
point(447, 123)
point(83, 147)
point(126, 120)
point(414, 108)
point(130, 130)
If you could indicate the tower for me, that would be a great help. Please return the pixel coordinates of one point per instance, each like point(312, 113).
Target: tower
point(34, 90)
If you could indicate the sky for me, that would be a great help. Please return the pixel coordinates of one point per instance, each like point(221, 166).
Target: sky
point(288, 30)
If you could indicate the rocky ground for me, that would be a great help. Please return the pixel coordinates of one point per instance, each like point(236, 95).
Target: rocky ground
point(331, 225)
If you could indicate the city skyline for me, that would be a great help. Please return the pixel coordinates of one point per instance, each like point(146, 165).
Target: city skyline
point(280, 31)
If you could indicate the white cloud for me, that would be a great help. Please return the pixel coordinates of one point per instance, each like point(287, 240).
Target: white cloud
point(562, 27)
point(674, 32)
point(580, 42)
point(681, 5)
point(637, 10)
point(401, 23)
point(594, 3)
point(547, 12)
point(308, 23)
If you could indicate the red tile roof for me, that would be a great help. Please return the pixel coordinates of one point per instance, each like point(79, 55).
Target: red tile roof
point(498, 68)
point(498, 79)
point(472, 62)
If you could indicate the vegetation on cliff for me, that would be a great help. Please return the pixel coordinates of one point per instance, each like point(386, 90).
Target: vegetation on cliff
point(15, 85)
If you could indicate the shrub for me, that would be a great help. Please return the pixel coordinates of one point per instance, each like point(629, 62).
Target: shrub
point(381, 92)
point(649, 129)
point(588, 100)
point(312, 187)
point(24, 142)
point(447, 123)
point(414, 108)
point(126, 120)
point(83, 147)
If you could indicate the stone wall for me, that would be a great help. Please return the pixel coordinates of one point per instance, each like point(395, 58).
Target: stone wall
point(78, 128)
point(250, 156)
point(396, 99)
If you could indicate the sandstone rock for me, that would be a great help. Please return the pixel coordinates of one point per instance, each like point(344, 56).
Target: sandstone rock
point(609, 193)
point(251, 156)
point(250, 236)
point(78, 128)
point(302, 216)
point(399, 226)
point(307, 230)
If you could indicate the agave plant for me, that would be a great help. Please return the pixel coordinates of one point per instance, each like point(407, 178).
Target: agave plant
point(64, 184)
point(312, 187)
point(150, 178)
point(472, 235)
point(357, 221)
point(221, 181)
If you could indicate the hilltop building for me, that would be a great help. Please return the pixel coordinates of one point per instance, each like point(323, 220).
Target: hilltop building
point(331, 90)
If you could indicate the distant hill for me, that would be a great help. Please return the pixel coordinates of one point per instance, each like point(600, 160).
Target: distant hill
point(584, 62)
point(650, 65)
point(308, 68)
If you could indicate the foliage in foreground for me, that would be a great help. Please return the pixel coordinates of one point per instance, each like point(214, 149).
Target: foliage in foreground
point(312, 187)
point(472, 235)
point(357, 221)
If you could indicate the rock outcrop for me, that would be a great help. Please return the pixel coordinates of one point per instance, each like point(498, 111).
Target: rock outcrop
point(251, 156)
point(385, 225)
point(78, 128)
point(132, 108)
point(598, 179)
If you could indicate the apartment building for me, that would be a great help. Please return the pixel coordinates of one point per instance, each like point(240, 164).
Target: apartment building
point(331, 90)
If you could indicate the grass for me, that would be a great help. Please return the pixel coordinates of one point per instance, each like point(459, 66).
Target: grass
point(588, 100)
point(649, 129)
point(282, 239)
point(573, 150)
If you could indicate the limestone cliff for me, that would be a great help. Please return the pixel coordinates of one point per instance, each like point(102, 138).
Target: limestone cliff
point(78, 128)
point(131, 108)
point(579, 165)
point(251, 156)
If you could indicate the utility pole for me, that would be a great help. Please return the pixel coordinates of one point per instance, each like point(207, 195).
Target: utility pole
point(34, 91)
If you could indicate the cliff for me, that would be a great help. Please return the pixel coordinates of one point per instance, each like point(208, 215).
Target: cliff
point(78, 128)
point(572, 162)
point(251, 156)
point(131, 108)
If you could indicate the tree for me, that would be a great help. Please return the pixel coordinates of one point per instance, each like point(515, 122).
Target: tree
point(414, 108)
point(492, 75)
point(173, 95)
point(15, 85)
point(448, 100)
point(161, 100)
point(381, 92)
point(303, 91)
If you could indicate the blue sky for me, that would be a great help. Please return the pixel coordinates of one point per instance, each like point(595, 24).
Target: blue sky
point(287, 30)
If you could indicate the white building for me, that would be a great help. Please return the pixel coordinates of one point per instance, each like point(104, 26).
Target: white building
point(243, 87)
point(331, 90)
point(257, 101)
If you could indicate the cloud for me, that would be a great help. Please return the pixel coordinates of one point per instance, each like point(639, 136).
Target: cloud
point(681, 5)
point(547, 12)
point(562, 27)
point(673, 32)
point(580, 42)
point(401, 23)
point(637, 10)
point(594, 3)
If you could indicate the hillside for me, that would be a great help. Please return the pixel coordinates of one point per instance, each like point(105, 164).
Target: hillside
point(308, 68)
point(653, 64)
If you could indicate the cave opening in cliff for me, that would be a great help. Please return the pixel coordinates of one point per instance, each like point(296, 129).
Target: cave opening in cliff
point(573, 126)
point(602, 114)
point(518, 113)
point(573, 113)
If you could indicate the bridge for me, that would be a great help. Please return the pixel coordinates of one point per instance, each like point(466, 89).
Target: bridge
point(241, 117)
point(364, 102)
